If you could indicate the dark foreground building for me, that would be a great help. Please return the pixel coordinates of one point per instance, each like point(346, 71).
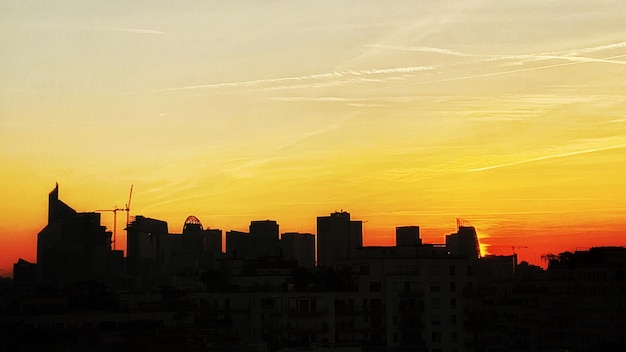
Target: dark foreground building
point(185, 296)
point(74, 246)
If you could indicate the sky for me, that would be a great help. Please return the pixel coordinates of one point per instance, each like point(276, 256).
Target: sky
point(509, 114)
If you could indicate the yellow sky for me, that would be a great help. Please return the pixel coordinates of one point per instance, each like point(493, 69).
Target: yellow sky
point(510, 114)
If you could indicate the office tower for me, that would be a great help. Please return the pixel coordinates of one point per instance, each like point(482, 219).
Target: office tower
point(200, 246)
point(264, 236)
point(464, 243)
point(145, 246)
point(73, 246)
point(337, 238)
point(299, 247)
point(238, 245)
point(408, 236)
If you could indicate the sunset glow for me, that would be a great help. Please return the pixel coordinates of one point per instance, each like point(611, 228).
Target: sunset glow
point(511, 115)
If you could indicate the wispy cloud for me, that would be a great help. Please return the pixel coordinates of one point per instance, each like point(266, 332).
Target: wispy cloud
point(306, 136)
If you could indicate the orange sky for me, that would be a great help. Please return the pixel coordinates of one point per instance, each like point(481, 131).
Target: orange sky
point(508, 114)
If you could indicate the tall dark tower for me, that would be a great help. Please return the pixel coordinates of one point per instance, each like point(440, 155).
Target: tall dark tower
point(464, 243)
point(408, 236)
point(338, 237)
point(264, 236)
point(201, 245)
point(73, 246)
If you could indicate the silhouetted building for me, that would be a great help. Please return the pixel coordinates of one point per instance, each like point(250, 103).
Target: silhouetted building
point(408, 236)
point(73, 246)
point(585, 307)
point(200, 247)
point(24, 272)
point(238, 245)
point(464, 243)
point(300, 247)
point(337, 238)
point(146, 245)
point(264, 236)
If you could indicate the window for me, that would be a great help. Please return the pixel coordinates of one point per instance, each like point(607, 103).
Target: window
point(435, 303)
point(453, 319)
point(452, 302)
point(304, 305)
point(452, 286)
point(434, 286)
point(375, 286)
point(452, 270)
point(436, 336)
point(435, 321)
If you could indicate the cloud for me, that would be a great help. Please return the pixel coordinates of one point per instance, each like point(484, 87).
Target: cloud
point(306, 136)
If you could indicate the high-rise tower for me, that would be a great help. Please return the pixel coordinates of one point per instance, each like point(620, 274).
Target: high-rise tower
point(337, 238)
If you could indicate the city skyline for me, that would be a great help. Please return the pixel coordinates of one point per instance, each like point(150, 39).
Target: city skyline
point(415, 234)
point(508, 115)
point(267, 293)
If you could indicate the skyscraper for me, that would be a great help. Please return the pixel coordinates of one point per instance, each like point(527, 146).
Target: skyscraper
point(145, 246)
point(73, 246)
point(464, 243)
point(300, 247)
point(408, 236)
point(337, 238)
point(264, 236)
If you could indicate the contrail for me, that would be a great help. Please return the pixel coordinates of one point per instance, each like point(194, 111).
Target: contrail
point(320, 76)
point(129, 30)
point(491, 74)
point(547, 157)
point(422, 49)
point(347, 76)
point(576, 59)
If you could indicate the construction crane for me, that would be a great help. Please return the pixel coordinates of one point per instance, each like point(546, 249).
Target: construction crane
point(462, 223)
point(127, 208)
point(115, 210)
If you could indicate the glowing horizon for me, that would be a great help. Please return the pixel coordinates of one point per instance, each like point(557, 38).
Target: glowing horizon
point(509, 115)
